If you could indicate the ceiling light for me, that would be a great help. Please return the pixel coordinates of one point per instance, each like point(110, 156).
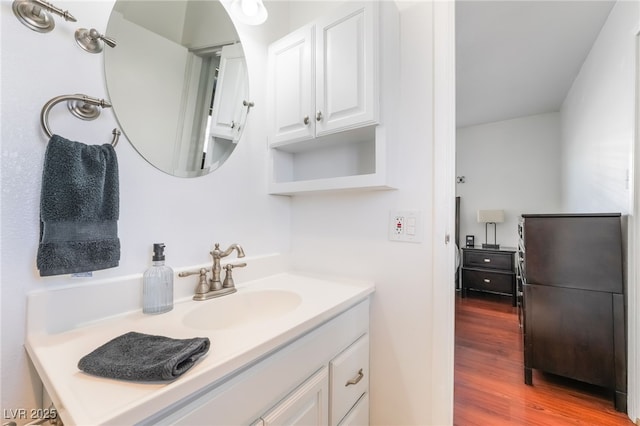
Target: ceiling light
point(251, 12)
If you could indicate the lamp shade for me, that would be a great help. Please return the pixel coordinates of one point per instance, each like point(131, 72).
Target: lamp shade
point(490, 216)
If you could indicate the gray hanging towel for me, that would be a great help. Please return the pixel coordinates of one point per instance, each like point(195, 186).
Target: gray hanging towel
point(144, 357)
point(79, 208)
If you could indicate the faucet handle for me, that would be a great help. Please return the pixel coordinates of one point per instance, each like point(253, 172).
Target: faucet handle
point(203, 285)
point(216, 252)
point(228, 278)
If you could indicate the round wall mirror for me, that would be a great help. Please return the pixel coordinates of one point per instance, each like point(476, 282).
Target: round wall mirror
point(177, 80)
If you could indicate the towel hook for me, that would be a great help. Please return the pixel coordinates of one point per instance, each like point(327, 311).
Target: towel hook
point(81, 106)
point(36, 14)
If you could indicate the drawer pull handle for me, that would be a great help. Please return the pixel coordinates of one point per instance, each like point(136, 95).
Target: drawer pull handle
point(487, 280)
point(356, 379)
point(487, 261)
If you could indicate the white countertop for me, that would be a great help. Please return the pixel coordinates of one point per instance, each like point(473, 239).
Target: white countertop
point(82, 399)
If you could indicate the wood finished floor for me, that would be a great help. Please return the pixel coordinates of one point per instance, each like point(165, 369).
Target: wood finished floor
point(489, 384)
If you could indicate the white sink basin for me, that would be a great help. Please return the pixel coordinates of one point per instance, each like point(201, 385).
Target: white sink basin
point(241, 309)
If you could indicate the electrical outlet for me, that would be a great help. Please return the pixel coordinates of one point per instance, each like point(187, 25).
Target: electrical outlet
point(397, 225)
point(405, 225)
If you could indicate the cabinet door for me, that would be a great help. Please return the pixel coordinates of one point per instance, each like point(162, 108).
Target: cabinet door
point(306, 406)
point(359, 414)
point(347, 68)
point(290, 95)
point(231, 90)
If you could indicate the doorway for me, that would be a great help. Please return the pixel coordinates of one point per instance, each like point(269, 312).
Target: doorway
point(473, 227)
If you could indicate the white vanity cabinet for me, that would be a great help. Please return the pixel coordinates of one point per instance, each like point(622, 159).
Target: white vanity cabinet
point(259, 368)
point(342, 387)
point(323, 96)
point(302, 383)
point(306, 406)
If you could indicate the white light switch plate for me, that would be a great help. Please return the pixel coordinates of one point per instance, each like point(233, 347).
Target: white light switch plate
point(405, 225)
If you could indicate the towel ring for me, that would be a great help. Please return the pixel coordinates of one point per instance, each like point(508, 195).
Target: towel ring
point(82, 106)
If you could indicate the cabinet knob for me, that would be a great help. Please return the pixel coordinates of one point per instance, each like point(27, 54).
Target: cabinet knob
point(487, 280)
point(306, 120)
point(487, 260)
point(318, 115)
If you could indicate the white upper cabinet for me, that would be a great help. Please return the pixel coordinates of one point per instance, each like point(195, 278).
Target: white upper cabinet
point(323, 78)
point(346, 69)
point(331, 101)
point(231, 90)
point(291, 100)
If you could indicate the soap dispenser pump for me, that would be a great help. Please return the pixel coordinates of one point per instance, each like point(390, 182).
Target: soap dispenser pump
point(157, 284)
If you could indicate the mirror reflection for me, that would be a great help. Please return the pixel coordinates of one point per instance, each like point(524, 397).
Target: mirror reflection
point(177, 81)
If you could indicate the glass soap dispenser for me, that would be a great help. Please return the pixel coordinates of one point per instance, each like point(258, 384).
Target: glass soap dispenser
point(157, 284)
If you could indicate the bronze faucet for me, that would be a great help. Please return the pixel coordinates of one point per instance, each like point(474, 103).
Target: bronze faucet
point(214, 287)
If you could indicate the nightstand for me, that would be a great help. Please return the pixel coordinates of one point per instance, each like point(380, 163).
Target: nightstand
point(489, 271)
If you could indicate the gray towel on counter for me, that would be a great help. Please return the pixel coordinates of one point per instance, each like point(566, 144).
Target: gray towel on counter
point(144, 357)
point(79, 208)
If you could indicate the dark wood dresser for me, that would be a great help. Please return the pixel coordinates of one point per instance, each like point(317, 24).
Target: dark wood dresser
point(489, 270)
point(571, 272)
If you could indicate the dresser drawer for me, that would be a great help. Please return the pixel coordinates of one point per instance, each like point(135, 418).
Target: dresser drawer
point(487, 259)
point(348, 378)
point(488, 281)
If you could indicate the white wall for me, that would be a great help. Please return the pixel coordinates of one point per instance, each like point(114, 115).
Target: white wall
point(188, 215)
point(634, 268)
point(598, 120)
point(598, 130)
point(512, 165)
point(346, 234)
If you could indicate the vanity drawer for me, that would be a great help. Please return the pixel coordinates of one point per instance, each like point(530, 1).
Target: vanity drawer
point(487, 259)
point(348, 378)
point(488, 281)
